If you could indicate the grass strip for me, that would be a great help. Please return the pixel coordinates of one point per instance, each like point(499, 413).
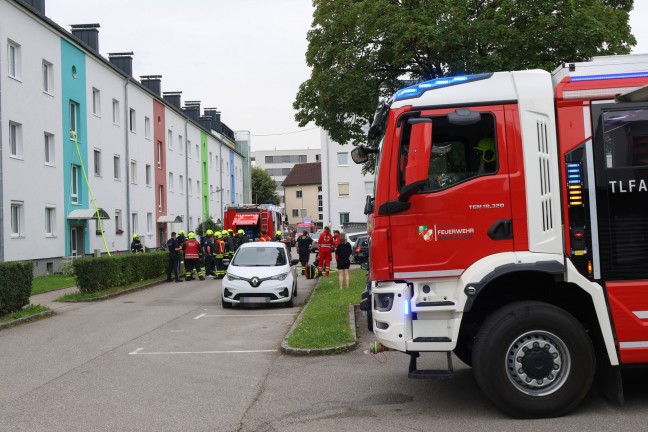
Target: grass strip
point(42, 284)
point(325, 322)
point(75, 297)
point(27, 311)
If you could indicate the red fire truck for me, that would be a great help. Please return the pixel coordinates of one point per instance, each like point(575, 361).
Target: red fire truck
point(510, 226)
point(253, 218)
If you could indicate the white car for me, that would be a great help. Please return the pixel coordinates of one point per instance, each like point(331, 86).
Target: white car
point(351, 239)
point(260, 272)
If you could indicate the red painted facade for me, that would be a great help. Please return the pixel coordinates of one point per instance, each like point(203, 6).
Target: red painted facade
point(159, 150)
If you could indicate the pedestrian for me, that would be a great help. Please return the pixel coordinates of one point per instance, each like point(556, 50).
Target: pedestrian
point(264, 236)
point(136, 245)
point(173, 246)
point(207, 249)
point(229, 248)
point(192, 257)
point(304, 243)
point(277, 236)
point(336, 242)
point(219, 254)
point(325, 245)
point(181, 239)
point(343, 258)
point(242, 238)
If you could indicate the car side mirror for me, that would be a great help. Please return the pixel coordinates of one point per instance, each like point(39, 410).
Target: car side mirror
point(420, 147)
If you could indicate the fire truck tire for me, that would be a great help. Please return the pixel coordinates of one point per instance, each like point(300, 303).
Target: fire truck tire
point(533, 360)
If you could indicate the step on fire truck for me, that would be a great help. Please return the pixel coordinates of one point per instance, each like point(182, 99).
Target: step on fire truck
point(510, 226)
point(254, 218)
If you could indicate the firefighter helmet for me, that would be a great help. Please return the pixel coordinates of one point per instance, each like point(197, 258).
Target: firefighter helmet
point(181, 232)
point(191, 235)
point(240, 232)
point(225, 232)
point(486, 146)
point(217, 234)
point(135, 236)
point(278, 233)
point(209, 232)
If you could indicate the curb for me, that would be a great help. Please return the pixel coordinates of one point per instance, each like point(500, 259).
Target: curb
point(119, 293)
point(26, 319)
point(287, 349)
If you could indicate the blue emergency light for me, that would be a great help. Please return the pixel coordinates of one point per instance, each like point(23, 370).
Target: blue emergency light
point(420, 88)
point(609, 76)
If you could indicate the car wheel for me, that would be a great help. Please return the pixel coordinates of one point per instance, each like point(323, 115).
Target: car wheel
point(532, 359)
point(289, 303)
point(226, 305)
point(295, 289)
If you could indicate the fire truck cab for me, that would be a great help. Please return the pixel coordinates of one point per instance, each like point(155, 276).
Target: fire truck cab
point(509, 225)
point(254, 218)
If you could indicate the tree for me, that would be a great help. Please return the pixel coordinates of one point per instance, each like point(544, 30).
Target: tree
point(363, 50)
point(263, 187)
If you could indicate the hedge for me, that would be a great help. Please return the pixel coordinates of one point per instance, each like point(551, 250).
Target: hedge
point(96, 274)
point(15, 285)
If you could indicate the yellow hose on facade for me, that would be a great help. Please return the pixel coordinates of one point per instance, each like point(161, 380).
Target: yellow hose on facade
point(94, 201)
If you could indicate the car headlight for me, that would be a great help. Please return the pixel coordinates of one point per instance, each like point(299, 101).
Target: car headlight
point(234, 277)
point(280, 277)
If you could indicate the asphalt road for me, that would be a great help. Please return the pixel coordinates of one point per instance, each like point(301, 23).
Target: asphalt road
point(169, 358)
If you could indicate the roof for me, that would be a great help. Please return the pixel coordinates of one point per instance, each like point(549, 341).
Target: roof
point(304, 174)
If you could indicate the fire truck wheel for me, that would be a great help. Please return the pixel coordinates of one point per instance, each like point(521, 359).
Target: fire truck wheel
point(532, 360)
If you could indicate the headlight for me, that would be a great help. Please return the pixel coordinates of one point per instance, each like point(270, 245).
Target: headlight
point(234, 277)
point(280, 277)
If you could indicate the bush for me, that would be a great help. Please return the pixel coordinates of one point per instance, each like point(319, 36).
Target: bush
point(96, 274)
point(15, 285)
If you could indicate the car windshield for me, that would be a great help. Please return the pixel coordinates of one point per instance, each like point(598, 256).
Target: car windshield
point(315, 236)
point(260, 257)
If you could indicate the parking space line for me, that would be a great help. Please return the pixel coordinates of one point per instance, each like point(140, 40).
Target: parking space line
point(138, 351)
point(241, 315)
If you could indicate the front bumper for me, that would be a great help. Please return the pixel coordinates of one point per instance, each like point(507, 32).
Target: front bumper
point(270, 291)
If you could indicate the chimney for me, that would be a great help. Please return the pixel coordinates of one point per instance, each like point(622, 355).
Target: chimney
point(192, 110)
point(152, 82)
point(173, 98)
point(88, 34)
point(123, 61)
point(39, 5)
point(215, 118)
point(205, 122)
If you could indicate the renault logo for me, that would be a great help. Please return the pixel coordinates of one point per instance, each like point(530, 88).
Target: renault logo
point(255, 281)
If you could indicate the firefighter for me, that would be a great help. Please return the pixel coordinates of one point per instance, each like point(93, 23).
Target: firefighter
point(277, 236)
point(173, 247)
point(208, 249)
point(242, 238)
point(192, 257)
point(264, 236)
point(229, 248)
point(219, 253)
point(136, 245)
point(325, 244)
point(304, 243)
point(181, 239)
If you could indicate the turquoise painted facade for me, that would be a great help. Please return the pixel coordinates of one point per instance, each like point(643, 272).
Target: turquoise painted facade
point(73, 91)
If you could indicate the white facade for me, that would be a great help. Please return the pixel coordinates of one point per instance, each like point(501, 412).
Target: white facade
point(344, 187)
point(278, 163)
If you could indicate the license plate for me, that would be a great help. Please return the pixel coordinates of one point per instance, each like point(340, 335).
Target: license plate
point(255, 299)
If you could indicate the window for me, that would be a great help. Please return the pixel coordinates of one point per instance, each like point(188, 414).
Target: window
point(17, 219)
point(368, 187)
point(131, 120)
point(147, 128)
point(181, 178)
point(197, 152)
point(115, 112)
point(48, 77)
point(97, 163)
point(626, 142)
point(133, 172)
point(117, 167)
point(180, 144)
point(13, 54)
point(49, 148)
point(118, 222)
point(96, 102)
point(170, 139)
point(160, 198)
point(148, 175)
point(298, 193)
point(73, 118)
point(343, 158)
point(211, 160)
point(15, 139)
point(295, 212)
point(149, 223)
point(170, 182)
point(74, 184)
point(134, 223)
point(159, 154)
point(190, 186)
point(50, 221)
point(344, 218)
point(216, 159)
point(343, 189)
point(188, 149)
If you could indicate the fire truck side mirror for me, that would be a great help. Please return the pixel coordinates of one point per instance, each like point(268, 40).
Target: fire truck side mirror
point(360, 154)
point(420, 146)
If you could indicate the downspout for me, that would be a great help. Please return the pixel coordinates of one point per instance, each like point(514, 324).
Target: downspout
point(186, 150)
point(128, 206)
point(220, 179)
point(328, 179)
point(2, 245)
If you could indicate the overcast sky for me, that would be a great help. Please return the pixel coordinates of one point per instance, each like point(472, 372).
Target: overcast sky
point(245, 57)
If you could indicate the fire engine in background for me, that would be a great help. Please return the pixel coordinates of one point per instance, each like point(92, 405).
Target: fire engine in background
point(510, 226)
point(254, 218)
